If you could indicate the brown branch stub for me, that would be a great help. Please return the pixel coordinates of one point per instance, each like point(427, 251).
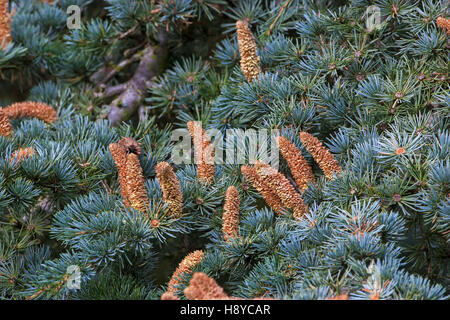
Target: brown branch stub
point(171, 189)
point(321, 155)
point(250, 61)
point(130, 145)
point(230, 217)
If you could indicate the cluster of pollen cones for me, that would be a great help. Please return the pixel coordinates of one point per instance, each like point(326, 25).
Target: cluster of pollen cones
point(276, 189)
point(132, 182)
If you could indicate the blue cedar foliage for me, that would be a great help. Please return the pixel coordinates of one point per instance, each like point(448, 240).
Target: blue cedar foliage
point(377, 99)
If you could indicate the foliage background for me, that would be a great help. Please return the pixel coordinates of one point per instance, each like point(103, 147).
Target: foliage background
point(364, 93)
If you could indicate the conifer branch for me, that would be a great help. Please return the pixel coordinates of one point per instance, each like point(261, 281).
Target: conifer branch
point(131, 93)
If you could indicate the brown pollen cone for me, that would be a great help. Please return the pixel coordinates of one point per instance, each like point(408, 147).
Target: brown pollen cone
point(250, 61)
point(300, 169)
point(343, 296)
point(202, 287)
point(22, 153)
point(169, 296)
point(282, 187)
point(5, 24)
point(444, 24)
point(31, 109)
point(185, 266)
point(5, 125)
point(170, 187)
point(230, 218)
point(136, 190)
point(321, 155)
point(120, 158)
point(204, 153)
point(263, 188)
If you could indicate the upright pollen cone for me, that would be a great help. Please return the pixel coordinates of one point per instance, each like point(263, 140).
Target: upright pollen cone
point(230, 218)
point(282, 187)
point(321, 155)
point(136, 190)
point(185, 266)
point(271, 198)
point(30, 109)
point(5, 24)
point(170, 186)
point(131, 179)
point(203, 152)
point(5, 125)
point(120, 158)
point(250, 61)
point(300, 169)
